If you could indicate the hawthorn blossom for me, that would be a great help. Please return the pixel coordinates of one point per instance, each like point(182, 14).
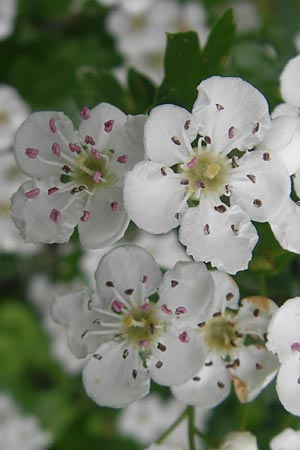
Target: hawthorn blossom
point(132, 6)
point(288, 439)
point(230, 356)
point(8, 10)
point(77, 175)
point(127, 335)
point(284, 341)
point(18, 430)
point(214, 188)
point(239, 440)
point(283, 139)
point(162, 447)
point(140, 32)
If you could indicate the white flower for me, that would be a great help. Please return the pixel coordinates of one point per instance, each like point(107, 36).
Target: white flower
point(8, 9)
point(246, 16)
point(284, 341)
point(130, 338)
point(19, 431)
point(140, 33)
point(77, 176)
point(131, 6)
point(162, 447)
point(288, 439)
point(228, 357)
point(13, 112)
point(239, 441)
point(146, 419)
point(228, 114)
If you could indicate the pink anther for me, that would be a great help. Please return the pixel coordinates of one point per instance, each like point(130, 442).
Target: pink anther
point(96, 154)
point(184, 337)
point(32, 153)
point(117, 306)
point(122, 159)
point(97, 176)
point(52, 190)
point(55, 215)
point(114, 206)
point(52, 125)
point(56, 149)
point(165, 309)
point(85, 216)
point(85, 113)
point(34, 193)
point(192, 163)
point(108, 126)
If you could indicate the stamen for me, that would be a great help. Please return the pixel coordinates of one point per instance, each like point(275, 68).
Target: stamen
point(52, 190)
point(89, 140)
point(295, 347)
point(74, 148)
point(52, 125)
point(97, 176)
point(34, 193)
point(175, 140)
point(55, 215)
point(219, 107)
point(122, 159)
point(117, 306)
point(231, 132)
point(85, 113)
point(143, 343)
point(85, 216)
point(187, 125)
point(184, 337)
point(257, 202)
point(96, 154)
point(166, 310)
point(56, 149)
point(180, 310)
point(174, 283)
point(114, 206)
point(32, 153)
point(192, 163)
point(108, 126)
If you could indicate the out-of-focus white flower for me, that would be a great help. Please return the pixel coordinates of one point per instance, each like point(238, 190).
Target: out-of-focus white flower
point(18, 431)
point(130, 338)
point(77, 175)
point(8, 10)
point(130, 6)
point(140, 34)
point(288, 439)
point(13, 112)
point(162, 447)
point(228, 114)
point(41, 293)
point(246, 16)
point(229, 357)
point(240, 441)
point(146, 419)
point(283, 340)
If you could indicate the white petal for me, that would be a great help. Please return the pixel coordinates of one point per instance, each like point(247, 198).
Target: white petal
point(112, 380)
point(209, 387)
point(32, 215)
point(261, 185)
point(257, 368)
point(288, 386)
point(226, 293)
point(188, 285)
point(254, 315)
point(226, 102)
point(103, 117)
point(286, 227)
point(162, 447)
point(283, 330)
point(35, 133)
point(210, 236)
point(180, 359)
point(164, 131)
point(127, 267)
point(288, 439)
point(283, 139)
point(284, 109)
point(152, 198)
point(106, 224)
point(296, 183)
point(289, 82)
point(129, 145)
point(75, 312)
point(240, 440)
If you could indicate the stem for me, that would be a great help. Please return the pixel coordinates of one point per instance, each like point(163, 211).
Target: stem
point(205, 438)
point(262, 285)
point(244, 413)
point(191, 417)
point(173, 426)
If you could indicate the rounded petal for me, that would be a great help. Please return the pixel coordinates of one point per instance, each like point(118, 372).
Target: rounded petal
point(127, 267)
point(226, 292)
point(287, 384)
point(177, 357)
point(168, 132)
point(287, 439)
point(296, 183)
point(32, 216)
point(261, 185)
point(238, 440)
point(112, 380)
point(103, 125)
point(283, 329)
point(152, 197)
point(232, 112)
point(284, 109)
point(129, 147)
point(36, 134)
point(75, 312)
point(209, 387)
point(108, 220)
point(283, 139)
point(286, 225)
point(257, 368)
point(290, 83)
point(210, 236)
point(254, 315)
point(187, 290)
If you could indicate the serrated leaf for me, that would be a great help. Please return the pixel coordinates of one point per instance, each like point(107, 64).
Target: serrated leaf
point(183, 69)
point(219, 44)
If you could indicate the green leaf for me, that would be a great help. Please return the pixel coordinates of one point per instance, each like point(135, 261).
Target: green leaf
point(183, 69)
point(219, 44)
point(141, 89)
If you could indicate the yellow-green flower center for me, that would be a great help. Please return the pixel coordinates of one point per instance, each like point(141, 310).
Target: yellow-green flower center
point(220, 334)
point(139, 325)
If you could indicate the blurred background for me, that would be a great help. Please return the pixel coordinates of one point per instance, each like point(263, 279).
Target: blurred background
point(63, 55)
